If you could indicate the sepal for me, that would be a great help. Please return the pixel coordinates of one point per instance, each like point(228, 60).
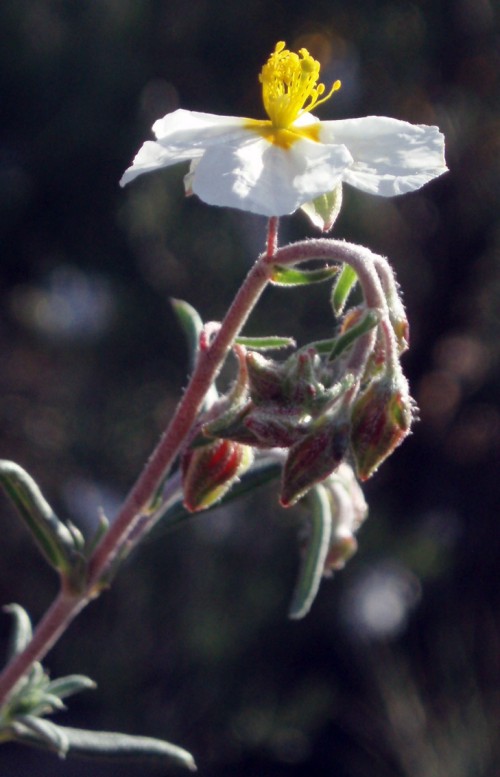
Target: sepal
point(381, 419)
point(322, 212)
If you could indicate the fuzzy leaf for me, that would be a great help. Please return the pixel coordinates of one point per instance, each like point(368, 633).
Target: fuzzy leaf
point(342, 288)
point(191, 324)
point(99, 744)
point(315, 554)
point(37, 731)
point(266, 343)
point(21, 631)
point(69, 685)
point(345, 340)
point(289, 276)
point(52, 536)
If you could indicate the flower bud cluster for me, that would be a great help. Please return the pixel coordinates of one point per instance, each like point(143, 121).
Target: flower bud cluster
point(343, 401)
point(320, 414)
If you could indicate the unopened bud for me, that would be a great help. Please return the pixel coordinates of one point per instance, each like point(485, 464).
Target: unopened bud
point(312, 459)
point(349, 510)
point(209, 472)
point(265, 378)
point(275, 427)
point(381, 419)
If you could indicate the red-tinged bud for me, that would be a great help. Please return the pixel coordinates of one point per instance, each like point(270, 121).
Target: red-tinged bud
point(265, 378)
point(303, 384)
point(401, 330)
point(312, 459)
point(381, 419)
point(351, 318)
point(275, 427)
point(231, 425)
point(209, 472)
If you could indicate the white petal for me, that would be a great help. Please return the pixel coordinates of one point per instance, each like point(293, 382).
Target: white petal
point(263, 178)
point(183, 135)
point(390, 156)
point(194, 128)
point(153, 156)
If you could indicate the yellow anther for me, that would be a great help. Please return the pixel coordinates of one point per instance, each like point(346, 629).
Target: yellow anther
point(290, 85)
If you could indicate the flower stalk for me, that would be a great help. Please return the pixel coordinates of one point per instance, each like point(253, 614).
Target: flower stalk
point(67, 605)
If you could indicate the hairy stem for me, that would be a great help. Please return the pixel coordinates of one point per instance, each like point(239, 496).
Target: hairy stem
point(68, 603)
point(54, 623)
point(361, 259)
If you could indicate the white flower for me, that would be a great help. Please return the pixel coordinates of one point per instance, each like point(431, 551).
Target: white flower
point(272, 167)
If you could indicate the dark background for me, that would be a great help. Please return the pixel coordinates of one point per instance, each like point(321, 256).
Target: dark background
point(395, 673)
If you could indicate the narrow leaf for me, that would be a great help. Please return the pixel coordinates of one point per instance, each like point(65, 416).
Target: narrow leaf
point(342, 288)
point(93, 541)
point(21, 630)
point(266, 343)
point(289, 276)
point(315, 553)
point(369, 320)
point(44, 733)
point(69, 685)
point(100, 744)
point(191, 324)
point(52, 536)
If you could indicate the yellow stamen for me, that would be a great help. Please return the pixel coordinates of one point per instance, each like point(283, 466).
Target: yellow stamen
point(290, 86)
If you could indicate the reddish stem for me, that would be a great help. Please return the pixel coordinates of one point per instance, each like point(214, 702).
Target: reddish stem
point(68, 604)
point(206, 370)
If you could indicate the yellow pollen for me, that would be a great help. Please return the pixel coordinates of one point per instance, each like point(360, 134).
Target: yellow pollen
point(290, 86)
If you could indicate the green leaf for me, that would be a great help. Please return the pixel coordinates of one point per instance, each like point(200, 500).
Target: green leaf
point(93, 541)
point(21, 631)
point(266, 343)
point(290, 276)
point(191, 324)
point(63, 687)
point(342, 288)
point(52, 536)
point(367, 322)
point(37, 731)
point(316, 551)
point(65, 740)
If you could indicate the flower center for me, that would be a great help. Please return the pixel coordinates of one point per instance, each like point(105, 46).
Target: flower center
point(290, 86)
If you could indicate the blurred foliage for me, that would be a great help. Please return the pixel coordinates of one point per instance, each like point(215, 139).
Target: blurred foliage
point(395, 672)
